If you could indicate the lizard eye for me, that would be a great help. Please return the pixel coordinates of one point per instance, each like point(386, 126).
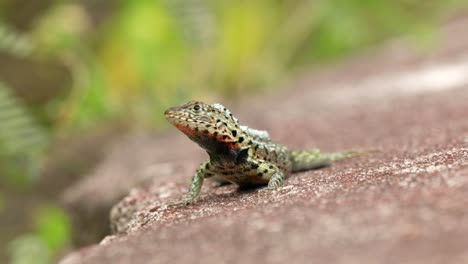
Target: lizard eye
point(196, 107)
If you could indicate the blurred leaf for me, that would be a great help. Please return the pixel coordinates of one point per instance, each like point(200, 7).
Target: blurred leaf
point(22, 140)
point(13, 42)
point(29, 249)
point(61, 28)
point(53, 227)
point(90, 101)
point(51, 235)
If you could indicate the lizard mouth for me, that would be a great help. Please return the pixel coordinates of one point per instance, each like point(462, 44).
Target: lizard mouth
point(170, 110)
point(178, 120)
point(172, 116)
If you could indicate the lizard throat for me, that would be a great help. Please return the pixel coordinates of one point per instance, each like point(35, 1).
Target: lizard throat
point(209, 141)
point(185, 129)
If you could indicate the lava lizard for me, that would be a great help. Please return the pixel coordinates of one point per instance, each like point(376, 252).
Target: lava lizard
point(239, 154)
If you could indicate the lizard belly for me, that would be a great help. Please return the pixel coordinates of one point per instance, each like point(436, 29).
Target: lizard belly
point(242, 178)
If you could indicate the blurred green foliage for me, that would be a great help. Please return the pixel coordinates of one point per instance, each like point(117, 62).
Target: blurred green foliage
point(14, 43)
point(29, 249)
point(51, 233)
point(149, 54)
point(52, 226)
point(22, 141)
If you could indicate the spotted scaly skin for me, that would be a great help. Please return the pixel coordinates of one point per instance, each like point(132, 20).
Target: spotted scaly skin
point(239, 154)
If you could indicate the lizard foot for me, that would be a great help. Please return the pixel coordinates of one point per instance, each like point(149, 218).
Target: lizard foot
point(187, 200)
point(267, 190)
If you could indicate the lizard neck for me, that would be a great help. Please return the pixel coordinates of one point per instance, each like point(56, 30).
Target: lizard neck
point(222, 154)
point(228, 151)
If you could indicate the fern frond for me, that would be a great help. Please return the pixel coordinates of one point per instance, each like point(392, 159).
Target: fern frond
point(13, 42)
point(22, 139)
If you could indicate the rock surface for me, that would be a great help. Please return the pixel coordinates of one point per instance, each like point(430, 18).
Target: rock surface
point(133, 161)
point(406, 203)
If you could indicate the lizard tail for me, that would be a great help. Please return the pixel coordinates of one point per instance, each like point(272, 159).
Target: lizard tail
point(313, 159)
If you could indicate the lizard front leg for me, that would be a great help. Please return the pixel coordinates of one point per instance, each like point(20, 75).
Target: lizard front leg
point(276, 181)
point(196, 184)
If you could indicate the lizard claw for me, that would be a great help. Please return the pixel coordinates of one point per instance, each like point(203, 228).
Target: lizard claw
point(267, 190)
point(187, 200)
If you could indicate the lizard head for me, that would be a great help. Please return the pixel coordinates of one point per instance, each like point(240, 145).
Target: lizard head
point(210, 126)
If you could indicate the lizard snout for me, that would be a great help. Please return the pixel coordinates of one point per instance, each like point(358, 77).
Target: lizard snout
point(171, 111)
point(168, 111)
point(170, 115)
